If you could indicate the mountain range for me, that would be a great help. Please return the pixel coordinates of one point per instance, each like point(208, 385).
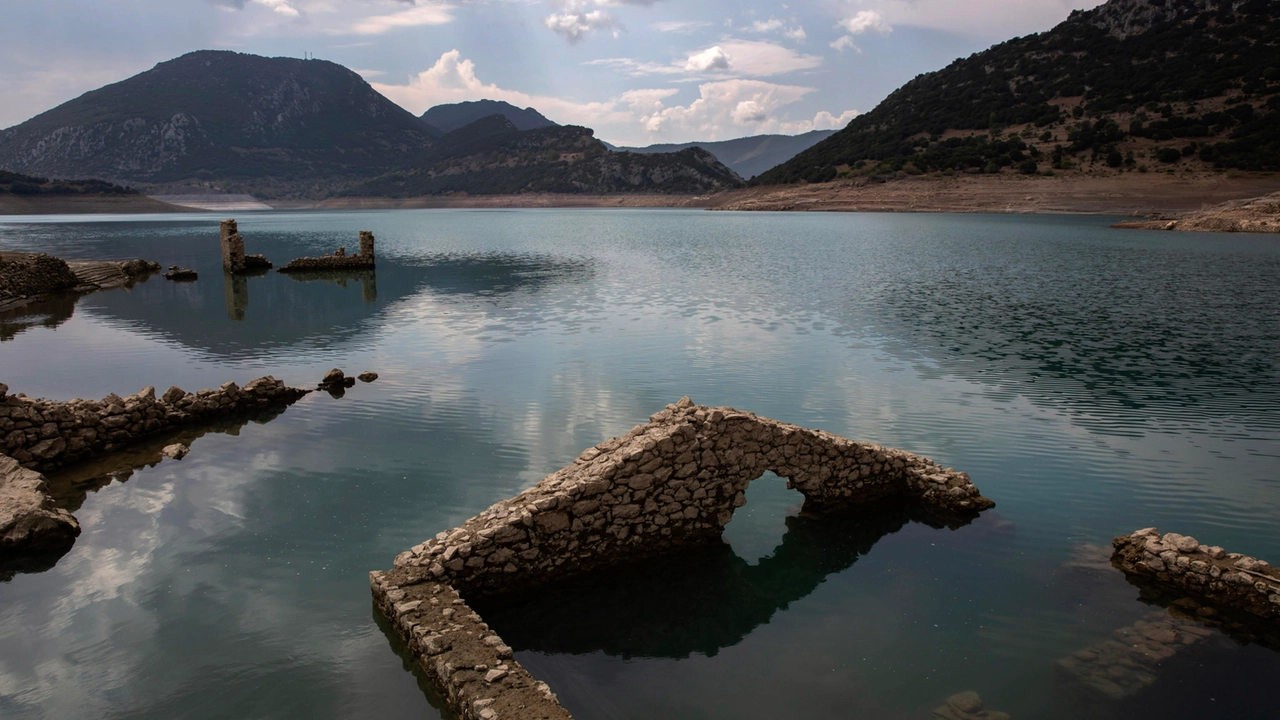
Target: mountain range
point(288, 128)
point(448, 118)
point(1129, 84)
point(258, 123)
point(747, 156)
point(492, 156)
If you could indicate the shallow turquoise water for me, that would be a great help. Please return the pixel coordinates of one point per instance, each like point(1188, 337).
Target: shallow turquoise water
point(1091, 381)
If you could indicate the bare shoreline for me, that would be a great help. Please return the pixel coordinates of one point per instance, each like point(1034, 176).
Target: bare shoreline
point(1131, 194)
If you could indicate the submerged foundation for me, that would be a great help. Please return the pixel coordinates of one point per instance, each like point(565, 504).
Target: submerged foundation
point(671, 483)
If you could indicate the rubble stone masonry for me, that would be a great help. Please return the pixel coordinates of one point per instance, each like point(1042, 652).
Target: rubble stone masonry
point(669, 483)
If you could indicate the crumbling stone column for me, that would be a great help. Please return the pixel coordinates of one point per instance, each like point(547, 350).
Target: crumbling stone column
point(232, 247)
point(366, 243)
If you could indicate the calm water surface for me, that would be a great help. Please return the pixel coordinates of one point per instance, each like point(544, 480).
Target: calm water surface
point(1092, 382)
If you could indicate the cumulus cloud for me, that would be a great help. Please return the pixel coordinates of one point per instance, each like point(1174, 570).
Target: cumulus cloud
point(723, 109)
point(575, 21)
point(860, 23)
point(713, 58)
point(453, 79)
point(575, 26)
point(796, 33)
point(826, 121)
point(413, 17)
point(865, 21)
point(765, 26)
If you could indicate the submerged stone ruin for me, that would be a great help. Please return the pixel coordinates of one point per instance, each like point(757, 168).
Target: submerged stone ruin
point(27, 278)
point(234, 260)
point(673, 482)
point(1210, 574)
point(1129, 661)
point(339, 260)
point(40, 435)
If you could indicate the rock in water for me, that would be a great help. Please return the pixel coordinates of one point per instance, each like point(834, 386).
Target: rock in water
point(333, 377)
point(29, 521)
point(177, 451)
point(367, 377)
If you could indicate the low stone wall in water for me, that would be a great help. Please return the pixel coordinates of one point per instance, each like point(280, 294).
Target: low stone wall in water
point(340, 260)
point(670, 483)
point(45, 434)
point(39, 435)
point(1229, 580)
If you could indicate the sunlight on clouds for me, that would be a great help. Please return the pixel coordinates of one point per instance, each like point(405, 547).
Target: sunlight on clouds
point(280, 6)
point(986, 18)
point(859, 23)
point(575, 26)
point(724, 109)
point(453, 79)
point(413, 17)
point(756, 58)
point(713, 58)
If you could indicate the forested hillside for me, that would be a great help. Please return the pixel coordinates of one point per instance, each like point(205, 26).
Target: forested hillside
point(1133, 84)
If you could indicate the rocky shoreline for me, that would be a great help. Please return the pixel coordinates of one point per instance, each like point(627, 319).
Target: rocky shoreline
point(670, 483)
point(1256, 215)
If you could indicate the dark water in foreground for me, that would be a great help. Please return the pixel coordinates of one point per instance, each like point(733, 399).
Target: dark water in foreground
point(1091, 381)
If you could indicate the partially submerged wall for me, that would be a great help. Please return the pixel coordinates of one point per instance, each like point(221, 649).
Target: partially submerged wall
point(669, 483)
point(339, 260)
point(1229, 580)
point(45, 434)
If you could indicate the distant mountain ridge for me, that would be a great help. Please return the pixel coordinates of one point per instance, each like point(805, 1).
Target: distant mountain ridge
point(1129, 84)
point(266, 125)
point(448, 118)
point(748, 156)
point(494, 157)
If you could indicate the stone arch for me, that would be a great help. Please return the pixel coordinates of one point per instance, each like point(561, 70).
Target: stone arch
point(672, 482)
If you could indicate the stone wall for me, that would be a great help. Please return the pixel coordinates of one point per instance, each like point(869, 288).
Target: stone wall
point(45, 434)
point(669, 483)
point(1229, 580)
point(339, 260)
point(23, 276)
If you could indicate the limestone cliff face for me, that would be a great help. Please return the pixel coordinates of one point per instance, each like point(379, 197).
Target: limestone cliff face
point(221, 115)
point(1124, 18)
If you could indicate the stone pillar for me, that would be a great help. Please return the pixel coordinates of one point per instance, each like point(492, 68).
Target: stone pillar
point(366, 244)
point(232, 247)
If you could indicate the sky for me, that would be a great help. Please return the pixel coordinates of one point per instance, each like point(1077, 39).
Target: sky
point(638, 71)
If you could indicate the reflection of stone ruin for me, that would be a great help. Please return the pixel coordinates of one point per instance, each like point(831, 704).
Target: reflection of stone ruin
point(233, 258)
point(671, 483)
point(339, 260)
point(368, 280)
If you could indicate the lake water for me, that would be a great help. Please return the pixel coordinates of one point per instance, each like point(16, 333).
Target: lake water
point(1092, 381)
